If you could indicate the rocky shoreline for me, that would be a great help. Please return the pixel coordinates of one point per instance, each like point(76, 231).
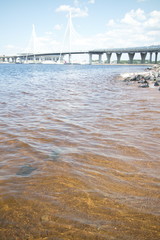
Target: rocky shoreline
point(149, 78)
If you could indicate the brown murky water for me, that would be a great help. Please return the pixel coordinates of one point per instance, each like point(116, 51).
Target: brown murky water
point(79, 155)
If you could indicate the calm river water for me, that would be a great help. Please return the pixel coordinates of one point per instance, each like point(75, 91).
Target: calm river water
point(79, 154)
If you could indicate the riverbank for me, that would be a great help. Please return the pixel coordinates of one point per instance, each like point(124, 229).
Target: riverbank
point(149, 78)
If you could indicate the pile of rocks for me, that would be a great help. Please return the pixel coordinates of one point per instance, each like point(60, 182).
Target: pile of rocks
point(149, 78)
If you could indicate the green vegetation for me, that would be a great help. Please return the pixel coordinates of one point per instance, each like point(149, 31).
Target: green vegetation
point(136, 61)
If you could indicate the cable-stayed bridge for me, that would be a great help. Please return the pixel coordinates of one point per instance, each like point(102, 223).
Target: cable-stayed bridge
point(152, 51)
point(32, 56)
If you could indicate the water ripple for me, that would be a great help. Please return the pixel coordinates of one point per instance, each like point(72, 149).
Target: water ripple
point(79, 154)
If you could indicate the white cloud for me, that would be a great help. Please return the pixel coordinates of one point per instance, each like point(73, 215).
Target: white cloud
point(136, 28)
point(58, 27)
point(134, 17)
point(42, 44)
point(9, 46)
point(91, 1)
point(46, 44)
point(76, 2)
point(76, 12)
point(155, 14)
point(12, 49)
point(63, 8)
point(111, 23)
point(153, 21)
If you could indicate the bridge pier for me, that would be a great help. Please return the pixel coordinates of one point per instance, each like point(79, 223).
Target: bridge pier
point(118, 57)
point(156, 56)
point(143, 57)
point(108, 57)
point(90, 58)
point(69, 58)
point(150, 59)
point(131, 56)
point(14, 59)
point(100, 58)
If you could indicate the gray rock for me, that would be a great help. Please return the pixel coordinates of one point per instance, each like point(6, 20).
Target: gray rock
point(145, 85)
point(25, 170)
point(133, 78)
point(127, 79)
point(143, 81)
point(139, 77)
point(56, 154)
point(156, 84)
point(147, 77)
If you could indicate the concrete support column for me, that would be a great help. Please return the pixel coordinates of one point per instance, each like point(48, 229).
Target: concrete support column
point(150, 60)
point(90, 58)
point(15, 59)
point(118, 57)
point(61, 58)
point(131, 56)
point(69, 58)
point(108, 57)
point(100, 58)
point(143, 57)
point(21, 59)
point(156, 56)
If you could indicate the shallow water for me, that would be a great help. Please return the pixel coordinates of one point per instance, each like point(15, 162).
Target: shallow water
point(79, 154)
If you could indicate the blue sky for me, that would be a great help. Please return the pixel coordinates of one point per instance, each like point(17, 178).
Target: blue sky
point(96, 24)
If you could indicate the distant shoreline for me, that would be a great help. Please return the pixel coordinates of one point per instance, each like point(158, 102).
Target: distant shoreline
point(105, 64)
